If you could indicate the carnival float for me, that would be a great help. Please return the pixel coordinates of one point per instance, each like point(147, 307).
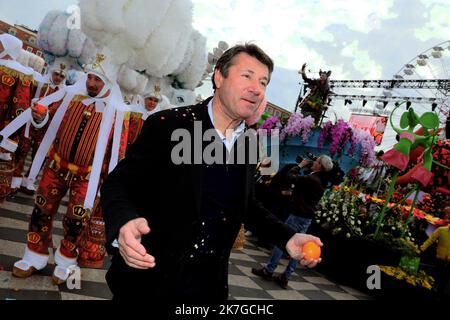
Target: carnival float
point(379, 210)
point(388, 204)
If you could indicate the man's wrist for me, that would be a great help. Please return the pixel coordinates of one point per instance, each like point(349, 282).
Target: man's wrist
point(38, 120)
point(39, 123)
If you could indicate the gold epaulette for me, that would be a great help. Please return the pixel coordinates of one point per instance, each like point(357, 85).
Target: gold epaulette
point(126, 116)
point(136, 114)
point(16, 74)
point(79, 97)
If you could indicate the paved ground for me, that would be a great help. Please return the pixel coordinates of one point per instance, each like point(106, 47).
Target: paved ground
point(14, 214)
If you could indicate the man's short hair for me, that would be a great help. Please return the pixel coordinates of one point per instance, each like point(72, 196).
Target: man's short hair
point(227, 59)
point(326, 163)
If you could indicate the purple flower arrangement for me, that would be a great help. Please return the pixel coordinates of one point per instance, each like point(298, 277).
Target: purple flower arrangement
point(367, 143)
point(297, 125)
point(339, 135)
point(271, 123)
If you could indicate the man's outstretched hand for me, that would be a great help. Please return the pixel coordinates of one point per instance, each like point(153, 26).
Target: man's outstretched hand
point(294, 248)
point(303, 68)
point(130, 247)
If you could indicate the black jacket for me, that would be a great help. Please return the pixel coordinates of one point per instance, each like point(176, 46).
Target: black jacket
point(147, 184)
point(307, 192)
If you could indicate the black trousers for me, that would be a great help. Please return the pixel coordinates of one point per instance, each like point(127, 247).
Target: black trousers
point(442, 276)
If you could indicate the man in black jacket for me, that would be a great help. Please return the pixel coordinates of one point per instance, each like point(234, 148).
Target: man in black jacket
point(175, 214)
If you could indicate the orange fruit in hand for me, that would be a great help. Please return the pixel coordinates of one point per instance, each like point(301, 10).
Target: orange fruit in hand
point(40, 109)
point(311, 251)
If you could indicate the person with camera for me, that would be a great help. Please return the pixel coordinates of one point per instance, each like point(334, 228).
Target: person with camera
point(305, 193)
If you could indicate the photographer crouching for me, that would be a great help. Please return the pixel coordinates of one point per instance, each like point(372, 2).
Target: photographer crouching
point(304, 193)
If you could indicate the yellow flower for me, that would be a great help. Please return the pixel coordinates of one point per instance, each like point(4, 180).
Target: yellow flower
point(421, 279)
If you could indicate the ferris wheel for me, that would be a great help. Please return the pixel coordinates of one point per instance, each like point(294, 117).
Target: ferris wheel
point(423, 82)
point(430, 71)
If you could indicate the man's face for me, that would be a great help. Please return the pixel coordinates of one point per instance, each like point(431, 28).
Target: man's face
point(243, 90)
point(57, 78)
point(94, 85)
point(323, 77)
point(150, 103)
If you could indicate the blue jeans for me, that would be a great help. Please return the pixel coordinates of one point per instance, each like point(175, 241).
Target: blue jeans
point(300, 225)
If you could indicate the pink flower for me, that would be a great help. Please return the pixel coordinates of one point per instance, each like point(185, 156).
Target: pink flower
point(341, 133)
point(324, 134)
point(367, 143)
point(299, 126)
point(270, 124)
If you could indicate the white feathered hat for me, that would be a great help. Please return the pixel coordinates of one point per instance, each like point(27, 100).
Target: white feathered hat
point(155, 92)
point(60, 65)
point(104, 68)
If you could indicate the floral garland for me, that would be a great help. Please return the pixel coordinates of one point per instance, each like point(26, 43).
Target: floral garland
point(399, 213)
point(345, 210)
point(404, 210)
point(434, 203)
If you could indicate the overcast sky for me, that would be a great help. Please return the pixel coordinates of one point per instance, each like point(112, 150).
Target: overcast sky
point(356, 39)
point(369, 39)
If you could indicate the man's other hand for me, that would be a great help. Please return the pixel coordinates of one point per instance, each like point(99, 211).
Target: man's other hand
point(38, 116)
point(305, 163)
point(130, 247)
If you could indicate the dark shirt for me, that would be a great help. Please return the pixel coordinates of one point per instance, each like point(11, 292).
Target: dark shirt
point(222, 189)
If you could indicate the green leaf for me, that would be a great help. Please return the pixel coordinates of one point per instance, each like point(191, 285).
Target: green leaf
point(413, 118)
point(429, 120)
point(404, 120)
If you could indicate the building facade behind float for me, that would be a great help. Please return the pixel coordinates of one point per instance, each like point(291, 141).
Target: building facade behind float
point(27, 35)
